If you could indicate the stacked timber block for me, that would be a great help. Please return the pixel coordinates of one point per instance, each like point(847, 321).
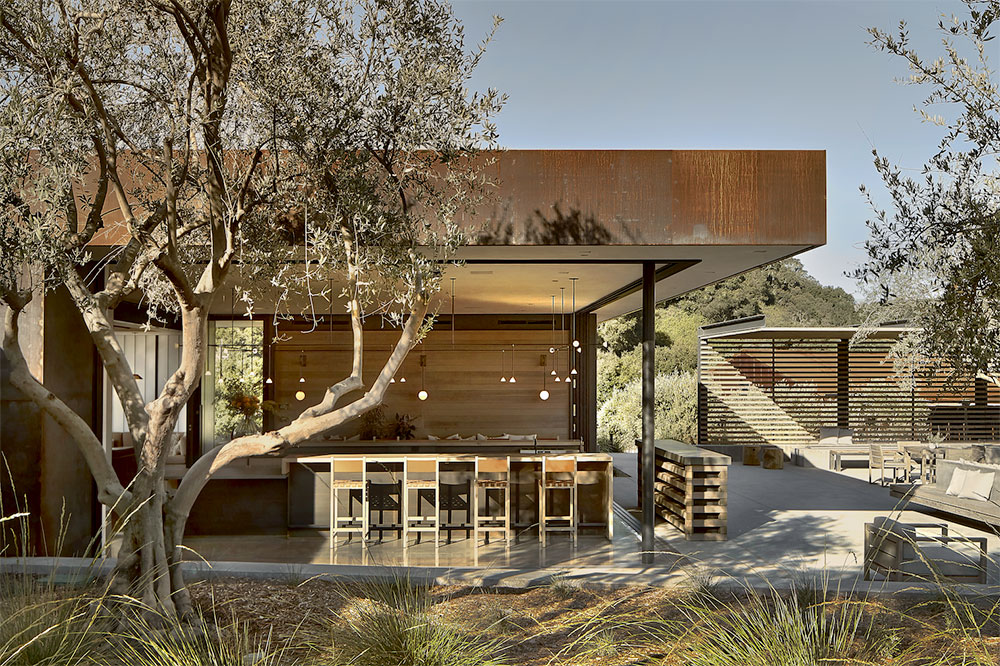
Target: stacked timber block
point(751, 455)
point(690, 489)
point(773, 458)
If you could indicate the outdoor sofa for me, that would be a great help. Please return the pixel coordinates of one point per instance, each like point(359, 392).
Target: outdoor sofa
point(935, 495)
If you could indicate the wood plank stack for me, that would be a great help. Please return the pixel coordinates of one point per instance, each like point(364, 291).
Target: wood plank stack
point(690, 490)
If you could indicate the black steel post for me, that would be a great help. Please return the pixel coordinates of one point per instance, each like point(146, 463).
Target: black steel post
point(648, 401)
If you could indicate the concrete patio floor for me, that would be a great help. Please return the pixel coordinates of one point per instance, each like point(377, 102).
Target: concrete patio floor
point(794, 523)
point(785, 526)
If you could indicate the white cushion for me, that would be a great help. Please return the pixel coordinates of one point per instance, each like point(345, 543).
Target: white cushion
point(845, 437)
point(470, 438)
point(977, 485)
point(353, 438)
point(521, 438)
point(957, 481)
point(455, 436)
point(433, 438)
point(481, 437)
point(500, 437)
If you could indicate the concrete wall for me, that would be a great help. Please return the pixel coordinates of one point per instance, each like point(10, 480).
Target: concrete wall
point(47, 470)
point(20, 440)
point(67, 489)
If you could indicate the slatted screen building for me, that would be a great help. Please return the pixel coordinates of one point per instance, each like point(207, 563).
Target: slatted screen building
point(780, 386)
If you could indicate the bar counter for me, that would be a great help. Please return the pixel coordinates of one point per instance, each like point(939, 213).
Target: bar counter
point(309, 496)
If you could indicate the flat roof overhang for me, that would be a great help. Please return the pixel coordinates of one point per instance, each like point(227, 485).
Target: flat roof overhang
point(700, 215)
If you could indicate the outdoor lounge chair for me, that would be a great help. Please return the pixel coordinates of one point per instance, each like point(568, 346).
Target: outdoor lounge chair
point(896, 551)
point(884, 458)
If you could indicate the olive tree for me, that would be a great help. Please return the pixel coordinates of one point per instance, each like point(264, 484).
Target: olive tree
point(278, 139)
point(934, 257)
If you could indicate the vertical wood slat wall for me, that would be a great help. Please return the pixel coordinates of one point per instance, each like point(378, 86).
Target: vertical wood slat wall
point(782, 390)
point(466, 396)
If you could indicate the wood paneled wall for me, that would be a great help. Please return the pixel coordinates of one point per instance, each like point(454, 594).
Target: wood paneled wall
point(465, 395)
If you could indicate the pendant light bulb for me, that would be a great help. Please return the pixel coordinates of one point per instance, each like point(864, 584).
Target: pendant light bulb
point(402, 380)
point(300, 395)
point(513, 380)
point(392, 381)
point(554, 373)
point(503, 380)
point(576, 343)
point(268, 381)
point(557, 379)
point(573, 371)
point(544, 395)
point(302, 380)
point(422, 395)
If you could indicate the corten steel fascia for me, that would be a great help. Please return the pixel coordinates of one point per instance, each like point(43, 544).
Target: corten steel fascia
point(632, 197)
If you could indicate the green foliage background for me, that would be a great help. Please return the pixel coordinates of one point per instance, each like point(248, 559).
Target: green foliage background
point(784, 292)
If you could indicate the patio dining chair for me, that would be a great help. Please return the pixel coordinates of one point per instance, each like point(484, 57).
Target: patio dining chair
point(882, 458)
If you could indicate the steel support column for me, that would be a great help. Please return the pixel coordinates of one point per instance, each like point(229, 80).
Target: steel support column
point(648, 402)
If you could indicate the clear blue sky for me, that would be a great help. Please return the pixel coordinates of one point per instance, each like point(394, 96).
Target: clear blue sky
point(707, 74)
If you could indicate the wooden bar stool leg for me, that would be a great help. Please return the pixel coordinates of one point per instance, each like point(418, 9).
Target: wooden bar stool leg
point(507, 534)
point(474, 510)
point(541, 512)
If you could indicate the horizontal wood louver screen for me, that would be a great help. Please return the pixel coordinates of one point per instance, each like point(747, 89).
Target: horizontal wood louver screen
point(781, 391)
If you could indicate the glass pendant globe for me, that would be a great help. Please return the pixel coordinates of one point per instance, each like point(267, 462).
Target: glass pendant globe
point(422, 395)
point(557, 379)
point(512, 380)
point(576, 343)
point(503, 380)
point(268, 381)
point(402, 380)
point(544, 395)
point(392, 381)
point(300, 395)
point(302, 380)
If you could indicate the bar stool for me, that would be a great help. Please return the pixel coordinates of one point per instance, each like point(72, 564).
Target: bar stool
point(347, 474)
point(422, 476)
point(555, 470)
point(384, 496)
point(491, 474)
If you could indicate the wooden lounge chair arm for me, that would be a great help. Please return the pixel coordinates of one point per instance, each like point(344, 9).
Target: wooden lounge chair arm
point(942, 526)
point(953, 539)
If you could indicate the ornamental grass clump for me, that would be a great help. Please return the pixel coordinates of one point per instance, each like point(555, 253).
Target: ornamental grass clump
point(391, 624)
point(39, 626)
point(771, 629)
point(152, 639)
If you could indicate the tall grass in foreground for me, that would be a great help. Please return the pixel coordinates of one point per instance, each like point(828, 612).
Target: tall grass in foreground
point(148, 639)
point(39, 626)
point(391, 624)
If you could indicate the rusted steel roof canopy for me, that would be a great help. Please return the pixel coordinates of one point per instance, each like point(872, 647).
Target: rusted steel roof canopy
point(657, 197)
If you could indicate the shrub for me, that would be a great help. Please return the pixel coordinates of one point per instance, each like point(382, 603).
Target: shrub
point(619, 420)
